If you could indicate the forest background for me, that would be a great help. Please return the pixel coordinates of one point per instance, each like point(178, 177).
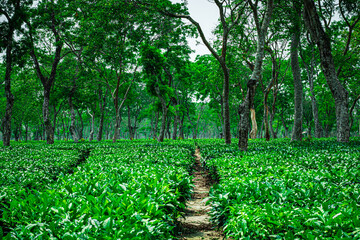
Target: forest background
point(106, 69)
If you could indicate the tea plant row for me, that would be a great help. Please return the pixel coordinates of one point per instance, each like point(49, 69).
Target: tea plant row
point(127, 190)
point(285, 190)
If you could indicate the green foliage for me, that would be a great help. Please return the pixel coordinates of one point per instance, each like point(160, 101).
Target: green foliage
point(127, 190)
point(280, 190)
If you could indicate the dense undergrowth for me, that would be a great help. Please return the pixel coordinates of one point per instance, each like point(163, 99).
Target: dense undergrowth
point(138, 189)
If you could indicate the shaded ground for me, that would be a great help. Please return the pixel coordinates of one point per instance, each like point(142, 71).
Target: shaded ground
point(196, 224)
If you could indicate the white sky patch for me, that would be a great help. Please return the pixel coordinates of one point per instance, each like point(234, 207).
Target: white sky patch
point(206, 13)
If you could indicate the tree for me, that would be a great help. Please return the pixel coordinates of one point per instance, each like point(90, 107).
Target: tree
point(13, 11)
point(230, 15)
point(48, 18)
point(339, 93)
point(244, 109)
point(295, 66)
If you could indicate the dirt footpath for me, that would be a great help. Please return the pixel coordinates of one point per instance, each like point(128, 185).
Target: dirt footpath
point(197, 221)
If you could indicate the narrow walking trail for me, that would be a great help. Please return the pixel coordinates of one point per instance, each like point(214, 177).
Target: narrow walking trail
point(196, 224)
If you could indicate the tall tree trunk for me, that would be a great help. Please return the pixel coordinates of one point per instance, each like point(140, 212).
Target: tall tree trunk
point(271, 121)
point(47, 81)
point(168, 127)
point(46, 116)
point(131, 129)
point(338, 91)
point(244, 110)
point(181, 127)
point(266, 96)
point(118, 106)
point(176, 117)
point(310, 74)
point(72, 121)
point(118, 120)
point(315, 111)
point(91, 136)
point(298, 88)
point(222, 118)
point(163, 123)
point(227, 105)
point(9, 95)
point(102, 105)
point(26, 131)
point(81, 128)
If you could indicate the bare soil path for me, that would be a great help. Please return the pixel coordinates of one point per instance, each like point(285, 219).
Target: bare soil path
point(196, 224)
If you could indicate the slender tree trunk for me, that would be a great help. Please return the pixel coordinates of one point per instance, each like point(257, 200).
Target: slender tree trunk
point(9, 95)
point(16, 133)
point(26, 131)
point(273, 110)
point(181, 127)
point(273, 133)
point(227, 131)
point(175, 126)
point(102, 105)
point(298, 91)
point(338, 91)
point(266, 96)
point(81, 128)
point(163, 123)
point(315, 111)
point(168, 127)
point(91, 135)
point(222, 118)
point(72, 121)
point(156, 125)
point(20, 131)
point(131, 128)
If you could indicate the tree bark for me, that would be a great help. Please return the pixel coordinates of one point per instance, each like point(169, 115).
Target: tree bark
point(130, 127)
point(236, 13)
point(102, 105)
point(163, 122)
point(72, 121)
point(46, 116)
point(271, 121)
point(253, 124)
point(244, 110)
point(298, 88)
point(174, 135)
point(47, 82)
point(91, 135)
point(81, 128)
point(168, 127)
point(338, 91)
point(315, 111)
point(181, 127)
